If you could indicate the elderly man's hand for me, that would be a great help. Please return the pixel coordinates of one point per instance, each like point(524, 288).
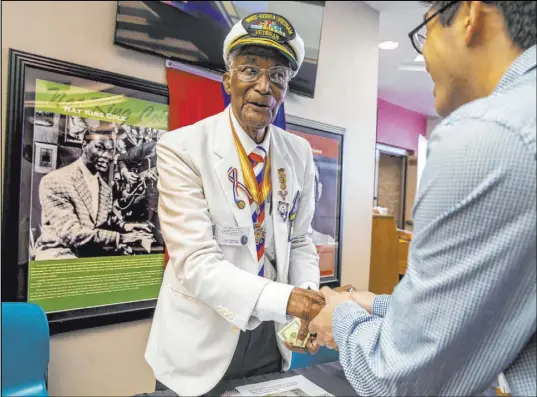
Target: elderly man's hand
point(304, 304)
point(322, 324)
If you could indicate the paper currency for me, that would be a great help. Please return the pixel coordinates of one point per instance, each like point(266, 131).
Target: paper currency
point(289, 334)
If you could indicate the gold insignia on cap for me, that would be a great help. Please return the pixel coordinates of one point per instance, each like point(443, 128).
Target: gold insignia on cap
point(268, 25)
point(268, 29)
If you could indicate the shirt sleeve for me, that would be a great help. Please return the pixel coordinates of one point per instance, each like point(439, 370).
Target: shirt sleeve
point(466, 306)
point(380, 305)
point(272, 303)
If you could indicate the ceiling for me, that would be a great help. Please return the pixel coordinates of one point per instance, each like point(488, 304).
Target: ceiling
point(411, 88)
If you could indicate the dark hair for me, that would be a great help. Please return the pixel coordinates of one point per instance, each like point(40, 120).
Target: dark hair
point(520, 18)
point(260, 51)
point(105, 131)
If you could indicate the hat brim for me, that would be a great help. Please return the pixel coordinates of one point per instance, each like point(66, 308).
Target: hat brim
point(245, 41)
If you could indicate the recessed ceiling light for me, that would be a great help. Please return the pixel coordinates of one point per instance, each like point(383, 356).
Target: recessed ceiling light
point(419, 58)
point(388, 45)
point(412, 67)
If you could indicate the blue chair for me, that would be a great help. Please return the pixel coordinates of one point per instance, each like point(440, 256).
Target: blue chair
point(25, 349)
point(324, 355)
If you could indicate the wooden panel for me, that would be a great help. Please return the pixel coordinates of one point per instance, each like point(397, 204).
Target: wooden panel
point(404, 235)
point(404, 246)
point(500, 393)
point(384, 271)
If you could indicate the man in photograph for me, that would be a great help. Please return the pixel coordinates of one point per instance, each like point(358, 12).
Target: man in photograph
point(76, 205)
point(137, 192)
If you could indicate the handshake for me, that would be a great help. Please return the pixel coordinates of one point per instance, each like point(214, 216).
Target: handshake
point(315, 330)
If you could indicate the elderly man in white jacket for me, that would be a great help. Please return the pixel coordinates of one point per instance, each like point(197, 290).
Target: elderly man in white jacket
point(236, 205)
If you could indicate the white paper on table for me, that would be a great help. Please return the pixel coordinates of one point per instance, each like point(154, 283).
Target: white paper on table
point(292, 386)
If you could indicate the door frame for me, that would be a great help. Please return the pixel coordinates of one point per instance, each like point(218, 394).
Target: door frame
point(394, 151)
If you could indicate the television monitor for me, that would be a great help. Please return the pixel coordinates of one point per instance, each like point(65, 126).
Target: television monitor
point(193, 32)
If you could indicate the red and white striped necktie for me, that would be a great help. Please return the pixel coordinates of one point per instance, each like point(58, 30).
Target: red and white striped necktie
point(257, 159)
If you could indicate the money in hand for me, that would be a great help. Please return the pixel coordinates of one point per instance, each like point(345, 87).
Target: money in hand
point(289, 334)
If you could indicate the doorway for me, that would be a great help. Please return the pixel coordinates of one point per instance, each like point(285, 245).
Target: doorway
point(390, 181)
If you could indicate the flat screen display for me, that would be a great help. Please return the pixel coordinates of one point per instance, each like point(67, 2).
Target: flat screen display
point(193, 32)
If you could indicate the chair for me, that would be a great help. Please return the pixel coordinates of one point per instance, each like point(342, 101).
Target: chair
point(324, 355)
point(25, 349)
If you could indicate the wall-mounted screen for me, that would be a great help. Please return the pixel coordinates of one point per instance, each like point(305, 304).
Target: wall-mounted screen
point(193, 32)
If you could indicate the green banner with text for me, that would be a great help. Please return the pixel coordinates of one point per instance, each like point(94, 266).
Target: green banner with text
point(76, 101)
point(59, 285)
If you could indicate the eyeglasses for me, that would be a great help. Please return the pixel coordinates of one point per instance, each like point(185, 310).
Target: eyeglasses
point(279, 75)
point(417, 36)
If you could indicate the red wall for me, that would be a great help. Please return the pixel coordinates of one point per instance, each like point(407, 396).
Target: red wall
point(399, 127)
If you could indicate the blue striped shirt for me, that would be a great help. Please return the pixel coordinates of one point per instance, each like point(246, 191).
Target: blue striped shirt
point(466, 309)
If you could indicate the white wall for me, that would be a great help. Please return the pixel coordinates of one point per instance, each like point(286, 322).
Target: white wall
point(109, 360)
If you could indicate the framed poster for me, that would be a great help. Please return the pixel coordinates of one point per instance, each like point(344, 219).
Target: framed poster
point(80, 206)
point(327, 145)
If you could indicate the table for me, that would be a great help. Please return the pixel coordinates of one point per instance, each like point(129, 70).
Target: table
point(329, 376)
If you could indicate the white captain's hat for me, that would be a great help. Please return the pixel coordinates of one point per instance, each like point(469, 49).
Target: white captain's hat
point(269, 30)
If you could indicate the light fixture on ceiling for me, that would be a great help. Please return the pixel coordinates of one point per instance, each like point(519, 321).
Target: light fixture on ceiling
point(416, 65)
point(388, 45)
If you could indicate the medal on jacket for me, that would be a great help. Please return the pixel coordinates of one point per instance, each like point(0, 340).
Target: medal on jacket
point(257, 193)
point(283, 206)
point(232, 175)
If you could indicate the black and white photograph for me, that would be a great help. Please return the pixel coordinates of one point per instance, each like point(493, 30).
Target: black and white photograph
point(46, 156)
point(109, 193)
point(80, 192)
point(46, 126)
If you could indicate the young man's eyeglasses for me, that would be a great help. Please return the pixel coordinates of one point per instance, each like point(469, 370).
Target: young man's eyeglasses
point(417, 35)
point(279, 75)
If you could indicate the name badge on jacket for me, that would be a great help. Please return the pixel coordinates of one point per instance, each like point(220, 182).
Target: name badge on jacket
point(231, 235)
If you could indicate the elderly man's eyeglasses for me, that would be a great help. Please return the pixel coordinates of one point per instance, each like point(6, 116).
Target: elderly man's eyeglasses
point(417, 35)
point(279, 75)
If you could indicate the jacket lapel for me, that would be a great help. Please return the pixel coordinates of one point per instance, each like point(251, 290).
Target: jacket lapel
point(227, 157)
point(283, 180)
point(83, 191)
point(105, 202)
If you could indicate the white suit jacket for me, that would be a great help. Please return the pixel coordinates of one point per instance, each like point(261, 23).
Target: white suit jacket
point(209, 291)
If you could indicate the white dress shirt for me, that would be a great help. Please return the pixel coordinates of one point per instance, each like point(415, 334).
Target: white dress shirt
point(272, 303)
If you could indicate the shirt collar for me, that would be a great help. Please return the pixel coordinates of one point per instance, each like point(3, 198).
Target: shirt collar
point(248, 143)
point(523, 64)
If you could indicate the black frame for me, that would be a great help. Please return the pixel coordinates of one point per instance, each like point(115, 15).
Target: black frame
point(14, 276)
point(319, 129)
point(425, 22)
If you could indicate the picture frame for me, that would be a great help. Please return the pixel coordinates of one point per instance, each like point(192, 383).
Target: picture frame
point(327, 143)
point(43, 154)
point(46, 157)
